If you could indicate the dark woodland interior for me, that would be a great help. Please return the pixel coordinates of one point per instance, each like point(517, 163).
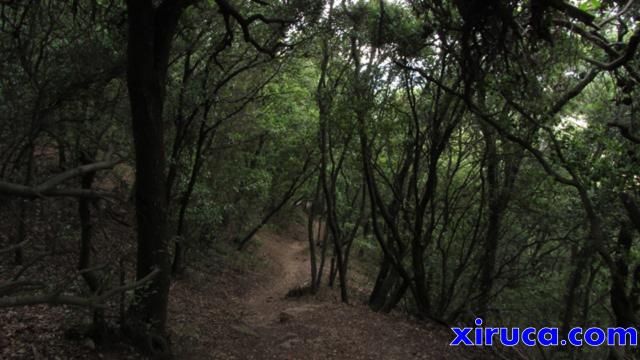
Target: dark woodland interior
point(316, 179)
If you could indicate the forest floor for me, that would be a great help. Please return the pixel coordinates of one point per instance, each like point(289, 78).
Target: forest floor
point(233, 305)
point(246, 315)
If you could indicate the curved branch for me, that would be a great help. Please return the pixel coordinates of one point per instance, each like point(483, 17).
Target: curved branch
point(47, 188)
point(632, 46)
point(229, 10)
point(625, 132)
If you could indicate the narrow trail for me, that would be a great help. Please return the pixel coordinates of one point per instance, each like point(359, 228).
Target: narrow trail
point(246, 316)
point(290, 264)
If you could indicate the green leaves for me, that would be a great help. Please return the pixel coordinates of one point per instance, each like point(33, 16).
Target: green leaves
point(590, 5)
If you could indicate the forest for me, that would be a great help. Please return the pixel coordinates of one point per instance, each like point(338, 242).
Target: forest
point(316, 179)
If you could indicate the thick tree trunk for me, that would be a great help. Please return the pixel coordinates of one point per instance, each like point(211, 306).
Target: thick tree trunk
point(378, 295)
point(395, 297)
point(390, 291)
point(151, 30)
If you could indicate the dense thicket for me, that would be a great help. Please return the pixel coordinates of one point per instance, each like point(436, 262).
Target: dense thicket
point(480, 156)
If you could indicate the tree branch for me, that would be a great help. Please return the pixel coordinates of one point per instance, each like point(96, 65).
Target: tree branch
point(632, 46)
point(229, 10)
point(13, 247)
point(626, 132)
point(546, 165)
point(47, 188)
point(57, 298)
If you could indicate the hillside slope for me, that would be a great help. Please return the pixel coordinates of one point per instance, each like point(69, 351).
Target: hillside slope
point(246, 316)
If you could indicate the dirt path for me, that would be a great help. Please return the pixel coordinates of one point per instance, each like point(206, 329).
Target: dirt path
point(289, 269)
point(240, 316)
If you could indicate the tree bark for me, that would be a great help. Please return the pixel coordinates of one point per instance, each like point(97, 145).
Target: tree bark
point(151, 31)
point(621, 301)
point(84, 262)
point(378, 295)
point(493, 226)
point(322, 229)
point(177, 265)
point(23, 213)
point(312, 242)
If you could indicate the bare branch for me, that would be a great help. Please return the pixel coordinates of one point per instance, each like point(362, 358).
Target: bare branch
point(573, 92)
point(617, 15)
point(57, 298)
point(573, 12)
point(633, 211)
point(13, 247)
point(542, 160)
point(632, 46)
point(600, 42)
point(80, 170)
point(626, 132)
point(47, 188)
point(245, 22)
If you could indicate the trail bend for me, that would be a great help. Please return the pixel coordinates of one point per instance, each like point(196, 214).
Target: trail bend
point(246, 316)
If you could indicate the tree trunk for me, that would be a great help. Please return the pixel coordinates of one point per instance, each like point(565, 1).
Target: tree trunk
point(621, 302)
point(23, 209)
point(177, 265)
point(581, 260)
point(332, 271)
point(312, 242)
point(84, 212)
point(396, 296)
point(376, 299)
point(84, 262)
point(323, 254)
point(493, 226)
point(150, 35)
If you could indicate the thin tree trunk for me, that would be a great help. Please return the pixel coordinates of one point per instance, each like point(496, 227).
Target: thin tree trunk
point(84, 212)
point(23, 209)
point(323, 254)
point(177, 266)
point(84, 261)
point(621, 303)
point(581, 260)
point(312, 243)
point(296, 183)
point(332, 271)
point(493, 226)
